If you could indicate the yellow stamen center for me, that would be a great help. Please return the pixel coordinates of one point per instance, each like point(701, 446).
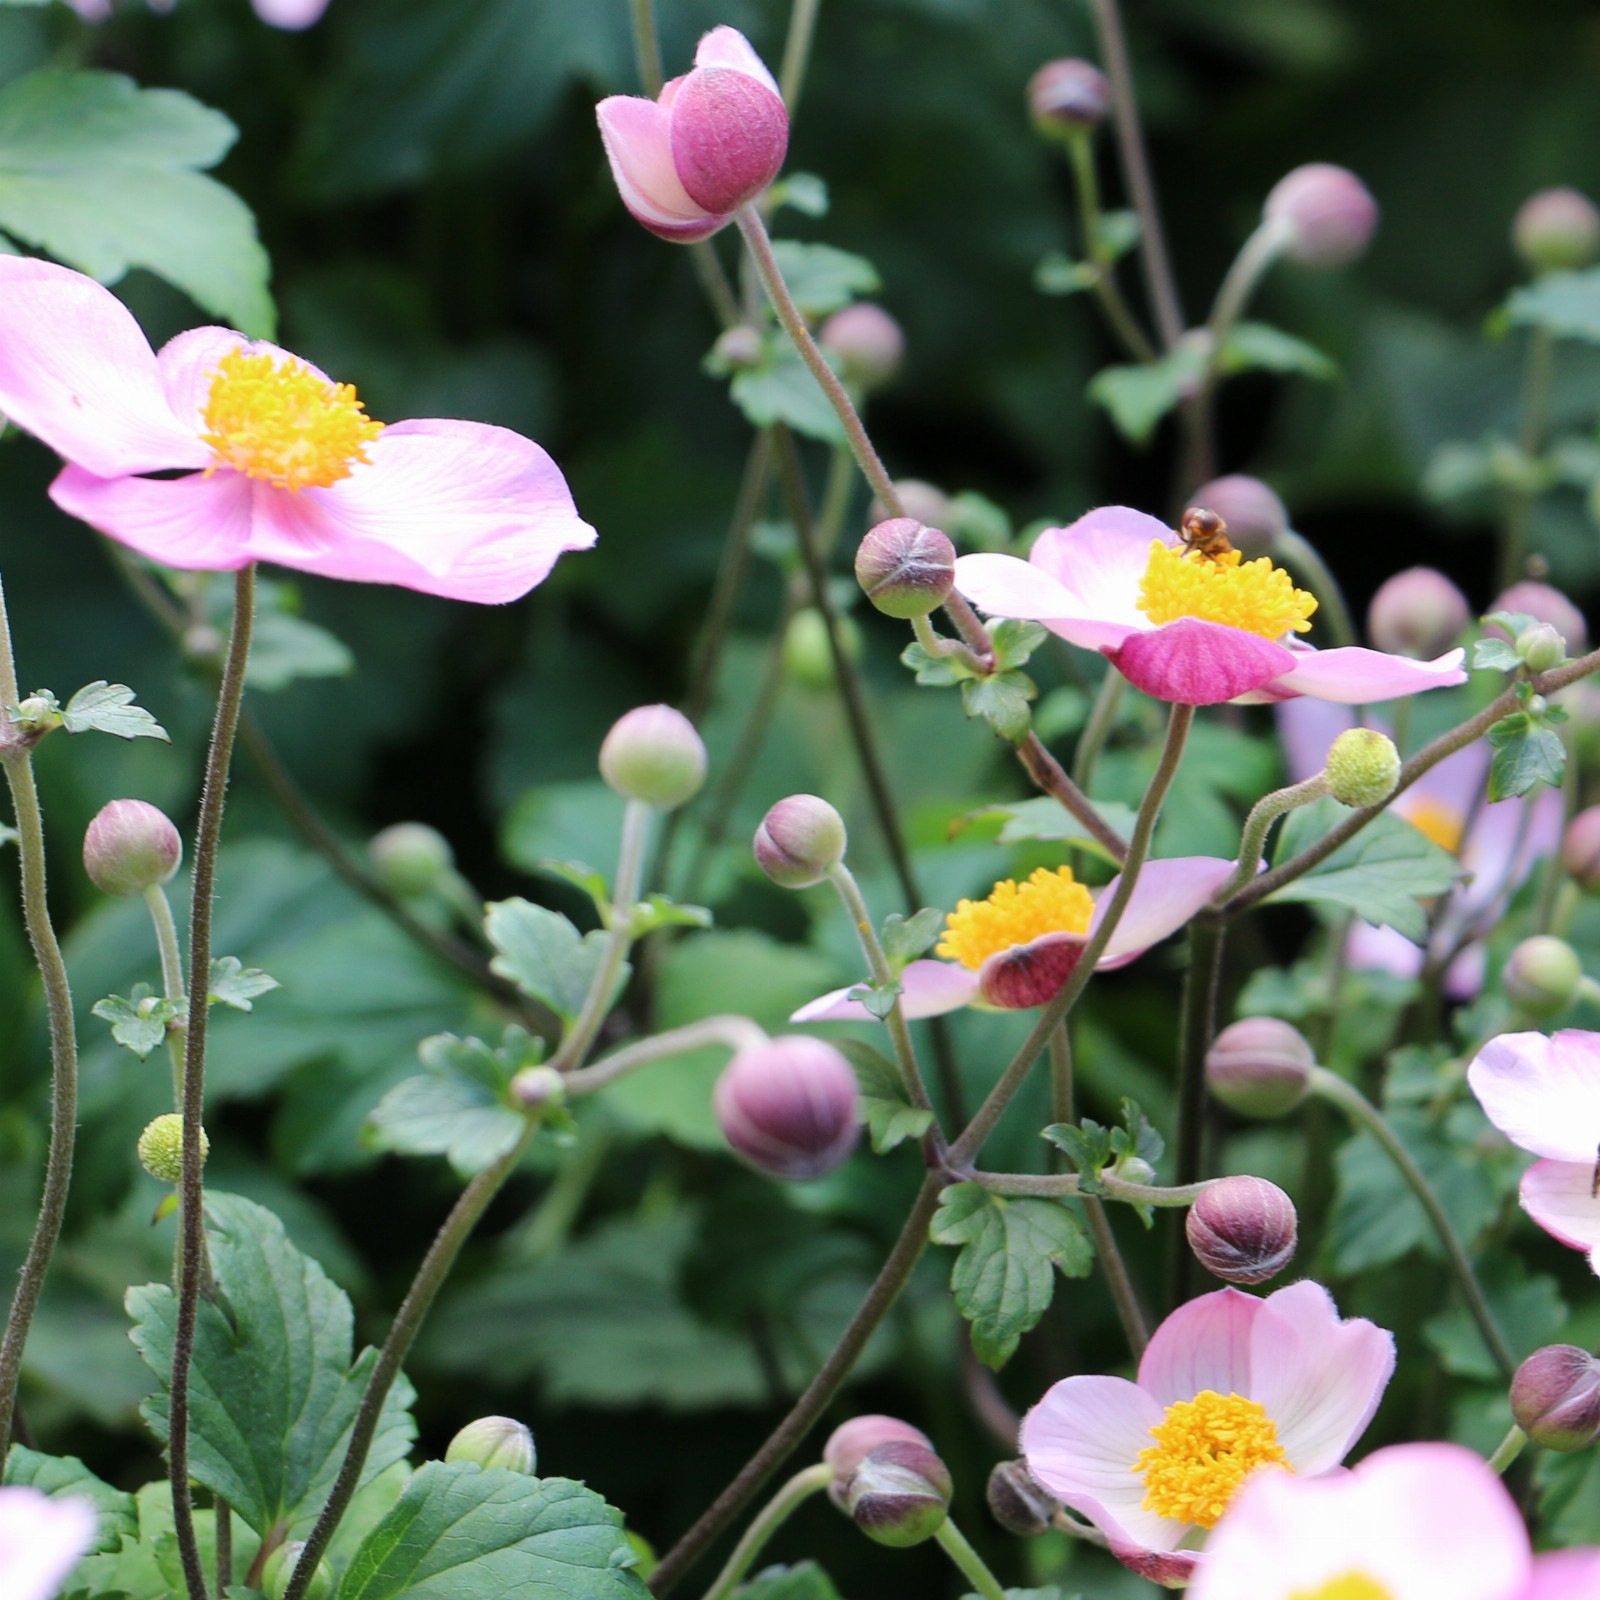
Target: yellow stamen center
point(1204, 1450)
point(1253, 595)
point(1441, 823)
point(279, 421)
point(1347, 1586)
point(1049, 902)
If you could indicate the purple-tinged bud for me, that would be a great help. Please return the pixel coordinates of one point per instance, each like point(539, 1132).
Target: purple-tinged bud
point(1418, 613)
point(537, 1088)
point(1260, 1067)
point(923, 502)
point(1329, 212)
point(1557, 230)
point(739, 348)
point(1544, 604)
point(130, 847)
point(899, 1494)
point(1555, 1397)
point(1580, 850)
point(1066, 97)
point(730, 133)
point(279, 1569)
point(1242, 1229)
point(905, 568)
point(411, 859)
point(495, 1442)
point(1019, 1502)
point(789, 1106)
point(653, 754)
point(851, 1440)
point(1542, 975)
point(800, 839)
point(1254, 514)
point(867, 343)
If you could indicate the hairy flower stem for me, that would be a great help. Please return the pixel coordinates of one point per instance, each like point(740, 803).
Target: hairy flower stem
point(223, 1513)
point(1197, 1028)
point(1049, 776)
point(1266, 811)
point(191, 1225)
point(797, 51)
point(16, 758)
point(737, 1033)
point(1336, 1091)
point(968, 1562)
point(1508, 1450)
point(166, 930)
point(772, 1516)
point(1536, 385)
point(783, 1440)
point(1102, 719)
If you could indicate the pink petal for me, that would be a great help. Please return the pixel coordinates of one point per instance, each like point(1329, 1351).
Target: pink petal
point(1560, 1197)
point(1543, 1094)
point(291, 14)
point(1101, 558)
point(1198, 663)
point(1564, 1575)
point(1371, 949)
point(1030, 974)
point(197, 522)
point(76, 371)
point(1355, 677)
point(730, 134)
point(1464, 977)
point(727, 47)
point(1319, 1378)
point(1204, 1344)
point(1167, 894)
point(1003, 586)
point(189, 363)
point(1504, 843)
point(927, 989)
point(1306, 730)
point(40, 1541)
point(637, 135)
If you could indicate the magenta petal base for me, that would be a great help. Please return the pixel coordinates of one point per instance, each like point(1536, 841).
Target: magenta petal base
point(1199, 663)
point(1030, 974)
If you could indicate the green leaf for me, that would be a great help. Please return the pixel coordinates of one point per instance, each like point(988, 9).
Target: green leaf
point(234, 984)
point(891, 1119)
point(106, 176)
point(1087, 1146)
point(805, 191)
point(1495, 655)
point(1254, 346)
point(1045, 818)
point(273, 1393)
point(59, 1476)
point(1566, 304)
point(935, 671)
point(1015, 641)
point(661, 912)
point(878, 998)
point(1528, 1310)
point(1138, 397)
point(1057, 274)
point(1381, 874)
point(906, 938)
point(975, 522)
point(541, 952)
point(1569, 1502)
point(1117, 232)
point(109, 708)
point(138, 1020)
point(822, 279)
point(1526, 752)
point(1003, 1277)
point(782, 389)
point(1002, 701)
point(803, 1581)
point(285, 648)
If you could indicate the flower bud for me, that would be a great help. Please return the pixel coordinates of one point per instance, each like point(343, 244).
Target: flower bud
point(279, 1568)
point(905, 568)
point(495, 1442)
point(537, 1087)
point(808, 652)
point(1418, 612)
point(799, 840)
point(1066, 97)
point(1542, 975)
point(161, 1148)
point(921, 501)
point(411, 859)
point(730, 133)
point(1255, 516)
point(1329, 214)
point(130, 847)
point(851, 1440)
point(1545, 604)
point(1580, 850)
point(867, 343)
point(1555, 1397)
point(1243, 1229)
point(899, 1494)
point(738, 348)
point(1557, 230)
point(653, 754)
point(1019, 1502)
point(1363, 767)
point(789, 1106)
point(1541, 648)
point(1260, 1067)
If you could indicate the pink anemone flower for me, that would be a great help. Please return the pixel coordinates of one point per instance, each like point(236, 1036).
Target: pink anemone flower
point(292, 15)
point(1016, 948)
point(1412, 1522)
point(1229, 1386)
point(1182, 625)
point(40, 1541)
point(279, 463)
point(1543, 1094)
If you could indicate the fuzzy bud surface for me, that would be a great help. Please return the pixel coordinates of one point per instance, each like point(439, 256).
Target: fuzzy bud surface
point(800, 839)
point(1542, 975)
point(161, 1148)
point(1363, 767)
point(851, 1440)
point(1328, 211)
point(130, 847)
point(1068, 96)
point(1555, 1397)
point(899, 1494)
point(905, 568)
point(1419, 612)
point(1557, 230)
point(495, 1442)
point(1243, 1229)
point(1019, 1502)
point(867, 342)
point(1541, 648)
point(925, 502)
point(1260, 1067)
point(789, 1106)
point(653, 754)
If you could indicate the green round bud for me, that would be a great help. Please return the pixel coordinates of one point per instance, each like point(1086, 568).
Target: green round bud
point(411, 859)
point(807, 654)
point(130, 847)
point(495, 1442)
point(800, 839)
point(1557, 230)
point(905, 568)
point(899, 1494)
point(1542, 975)
point(278, 1570)
point(161, 1148)
point(1260, 1067)
point(1541, 648)
point(1363, 767)
point(654, 754)
point(538, 1087)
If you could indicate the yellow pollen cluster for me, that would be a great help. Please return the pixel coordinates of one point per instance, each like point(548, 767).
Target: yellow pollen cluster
point(1440, 822)
point(1204, 1450)
point(1347, 1586)
point(279, 421)
point(1049, 902)
point(1253, 595)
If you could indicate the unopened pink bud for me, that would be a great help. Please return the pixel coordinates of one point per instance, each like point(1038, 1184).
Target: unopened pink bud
point(899, 1494)
point(130, 847)
point(1019, 1502)
point(1065, 97)
point(1544, 604)
point(1329, 213)
point(923, 502)
point(1418, 613)
point(654, 754)
point(1260, 1067)
point(1580, 850)
point(905, 568)
point(800, 839)
point(1557, 230)
point(851, 1440)
point(789, 1106)
point(1254, 514)
point(1243, 1229)
point(867, 343)
point(1555, 1397)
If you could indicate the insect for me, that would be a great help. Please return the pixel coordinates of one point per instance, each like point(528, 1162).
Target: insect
point(1205, 532)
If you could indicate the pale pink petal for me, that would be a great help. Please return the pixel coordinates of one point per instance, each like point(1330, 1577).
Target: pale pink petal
point(40, 1541)
point(1197, 663)
point(1356, 677)
point(195, 522)
point(1564, 1575)
point(1464, 977)
point(1306, 730)
point(1168, 893)
point(189, 363)
point(1505, 842)
point(1319, 1378)
point(727, 47)
point(1003, 586)
point(1560, 1197)
point(1543, 1093)
point(291, 14)
point(637, 134)
point(1101, 558)
point(1204, 1344)
point(76, 371)
point(1371, 949)
point(927, 989)
point(1456, 782)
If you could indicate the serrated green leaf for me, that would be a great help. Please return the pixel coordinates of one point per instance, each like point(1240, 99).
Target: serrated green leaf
point(1088, 1146)
point(935, 671)
point(661, 912)
point(582, 877)
point(1002, 701)
point(109, 708)
point(1566, 304)
point(1138, 397)
point(782, 389)
point(1015, 641)
point(805, 191)
point(1526, 752)
point(285, 648)
point(878, 998)
point(906, 938)
point(1045, 818)
point(891, 1119)
point(1254, 346)
point(1005, 1274)
point(1527, 1309)
point(541, 952)
point(138, 1020)
point(59, 1476)
point(803, 1581)
point(822, 279)
point(234, 984)
point(1495, 655)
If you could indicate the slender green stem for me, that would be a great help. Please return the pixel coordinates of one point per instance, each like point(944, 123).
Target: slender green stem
point(797, 51)
point(16, 758)
point(968, 1562)
point(1302, 558)
point(772, 1516)
point(1266, 811)
point(1507, 1450)
point(1056, 1185)
point(1197, 1028)
point(213, 798)
point(646, 45)
point(1050, 777)
point(1122, 321)
point(155, 897)
point(1102, 719)
point(737, 1033)
point(222, 1512)
point(1349, 1099)
point(1536, 383)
